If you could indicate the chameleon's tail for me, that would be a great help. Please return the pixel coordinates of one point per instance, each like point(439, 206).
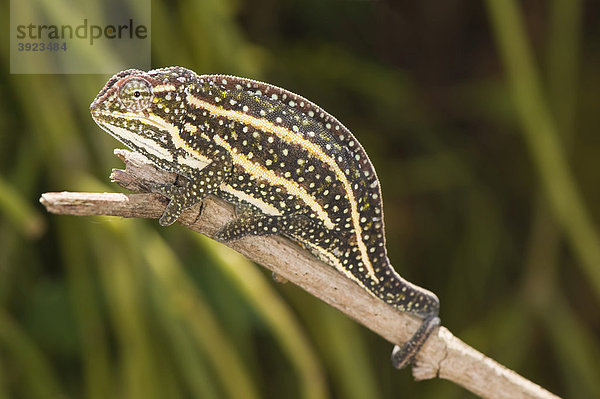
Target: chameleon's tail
point(413, 299)
point(404, 295)
point(402, 356)
point(389, 286)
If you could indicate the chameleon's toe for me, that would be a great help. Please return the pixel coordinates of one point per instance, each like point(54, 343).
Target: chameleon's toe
point(171, 214)
point(163, 189)
point(167, 219)
point(233, 230)
point(221, 236)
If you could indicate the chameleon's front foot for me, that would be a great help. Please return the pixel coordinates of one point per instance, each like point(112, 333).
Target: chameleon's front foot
point(179, 199)
point(403, 356)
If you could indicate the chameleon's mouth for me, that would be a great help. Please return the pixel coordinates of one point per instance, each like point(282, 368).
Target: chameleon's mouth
point(94, 107)
point(95, 114)
point(98, 115)
point(148, 119)
point(137, 142)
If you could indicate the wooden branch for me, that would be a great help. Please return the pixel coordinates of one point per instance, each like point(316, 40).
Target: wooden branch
point(443, 355)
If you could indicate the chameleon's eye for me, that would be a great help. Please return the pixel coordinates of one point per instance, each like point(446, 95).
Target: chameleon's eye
point(136, 94)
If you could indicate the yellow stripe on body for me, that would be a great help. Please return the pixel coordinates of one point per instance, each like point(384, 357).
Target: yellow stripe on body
point(263, 173)
point(257, 202)
point(314, 149)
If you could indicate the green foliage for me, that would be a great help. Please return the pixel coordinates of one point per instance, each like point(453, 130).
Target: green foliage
point(481, 124)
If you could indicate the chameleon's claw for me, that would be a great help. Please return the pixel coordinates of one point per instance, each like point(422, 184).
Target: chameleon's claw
point(219, 236)
point(403, 356)
point(167, 219)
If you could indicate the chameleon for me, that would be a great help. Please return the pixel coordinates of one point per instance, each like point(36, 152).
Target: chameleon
point(289, 167)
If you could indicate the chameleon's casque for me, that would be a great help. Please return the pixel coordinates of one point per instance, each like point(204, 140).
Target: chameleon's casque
point(289, 167)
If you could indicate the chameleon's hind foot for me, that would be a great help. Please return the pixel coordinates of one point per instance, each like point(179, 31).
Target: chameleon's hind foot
point(243, 226)
point(403, 356)
point(252, 224)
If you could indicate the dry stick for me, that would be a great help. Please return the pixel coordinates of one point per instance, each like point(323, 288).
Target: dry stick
point(443, 355)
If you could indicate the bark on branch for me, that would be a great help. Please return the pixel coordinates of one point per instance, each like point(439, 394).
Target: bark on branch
point(443, 356)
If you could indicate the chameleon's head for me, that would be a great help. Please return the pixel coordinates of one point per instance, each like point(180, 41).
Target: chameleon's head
point(143, 110)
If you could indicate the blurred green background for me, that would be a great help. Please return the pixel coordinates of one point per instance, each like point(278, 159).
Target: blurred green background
point(481, 118)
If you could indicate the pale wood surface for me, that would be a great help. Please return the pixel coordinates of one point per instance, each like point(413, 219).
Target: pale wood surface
point(443, 355)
